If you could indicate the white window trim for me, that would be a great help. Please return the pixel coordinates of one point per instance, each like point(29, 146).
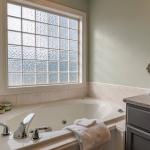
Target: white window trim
point(49, 6)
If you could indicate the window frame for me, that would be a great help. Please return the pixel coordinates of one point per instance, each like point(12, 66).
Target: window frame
point(58, 9)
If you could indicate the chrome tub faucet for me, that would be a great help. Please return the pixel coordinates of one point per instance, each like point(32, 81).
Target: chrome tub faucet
point(5, 129)
point(22, 130)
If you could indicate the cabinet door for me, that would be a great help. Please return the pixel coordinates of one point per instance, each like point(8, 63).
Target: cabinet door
point(137, 139)
point(138, 117)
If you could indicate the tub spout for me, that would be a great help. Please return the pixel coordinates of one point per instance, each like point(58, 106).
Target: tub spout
point(22, 130)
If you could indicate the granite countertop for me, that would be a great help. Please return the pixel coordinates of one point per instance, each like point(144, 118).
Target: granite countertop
point(141, 100)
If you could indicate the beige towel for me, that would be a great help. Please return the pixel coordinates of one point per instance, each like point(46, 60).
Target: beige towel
point(85, 122)
point(92, 137)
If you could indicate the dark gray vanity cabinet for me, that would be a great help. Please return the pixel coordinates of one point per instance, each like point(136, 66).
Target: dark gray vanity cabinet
point(137, 128)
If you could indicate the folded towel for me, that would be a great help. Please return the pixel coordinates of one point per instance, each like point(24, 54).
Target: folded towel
point(92, 137)
point(85, 122)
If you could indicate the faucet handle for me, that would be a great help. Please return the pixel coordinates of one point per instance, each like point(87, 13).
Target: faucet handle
point(35, 135)
point(5, 129)
point(35, 132)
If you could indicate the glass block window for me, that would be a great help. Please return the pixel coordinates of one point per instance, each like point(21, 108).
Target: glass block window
point(43, 47)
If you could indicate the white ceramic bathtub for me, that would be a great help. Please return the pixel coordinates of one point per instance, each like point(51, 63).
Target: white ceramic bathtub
point(55, 113)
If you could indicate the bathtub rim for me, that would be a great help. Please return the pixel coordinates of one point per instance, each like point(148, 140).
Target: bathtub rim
point(70, 139)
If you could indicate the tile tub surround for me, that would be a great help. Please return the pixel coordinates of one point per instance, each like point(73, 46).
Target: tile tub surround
point(116, 93)
point(102, 91)
point(41, 95)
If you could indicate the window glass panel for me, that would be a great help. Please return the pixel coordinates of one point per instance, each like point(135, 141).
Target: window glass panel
point(64, 44)
point(14, 65)
point(29, 78)
point(41, 16)
point(53, 78)
point(41, 28)
point(43, 48)
point(63, 21)
point(63, 66)
point(42, 54)
point(73, 55)
point(41, 78)
point(53, 55)
point(63, 77)
point(64, 33)
point(63, 55)
point(73, 45)
point(73, 34)
point(73, 66)
point(28, 66)
point(28, 26)
point(14, 38)
point(41, 66)
point(42, 41)
point(14, 10)
point(28, 53)
point(53, 31)
point(28, 13)
point(28, 39)
point(53, 66)
point(53, 43)
point(53, 19)
point(73, 77)
point(15, 79)
point(14, 26)
point(14, 51)
point(73, 24)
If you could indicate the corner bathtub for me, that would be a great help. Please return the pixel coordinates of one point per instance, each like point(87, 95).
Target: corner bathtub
point(59, 114)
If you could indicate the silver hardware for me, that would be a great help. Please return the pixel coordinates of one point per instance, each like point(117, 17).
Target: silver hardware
point(22, 130)
point(5, 129)
point(35, 135)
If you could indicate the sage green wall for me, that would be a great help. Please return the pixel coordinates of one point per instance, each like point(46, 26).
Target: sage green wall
point(77, 4)
point(119, 42)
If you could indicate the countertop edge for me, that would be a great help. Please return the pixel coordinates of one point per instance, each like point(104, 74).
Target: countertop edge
point(139, 100)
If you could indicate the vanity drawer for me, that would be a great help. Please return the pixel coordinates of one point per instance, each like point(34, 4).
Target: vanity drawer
point(138, 117)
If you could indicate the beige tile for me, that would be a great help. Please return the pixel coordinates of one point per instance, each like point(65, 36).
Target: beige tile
point(9, 98)
point(26, 99)
point(114, 92)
